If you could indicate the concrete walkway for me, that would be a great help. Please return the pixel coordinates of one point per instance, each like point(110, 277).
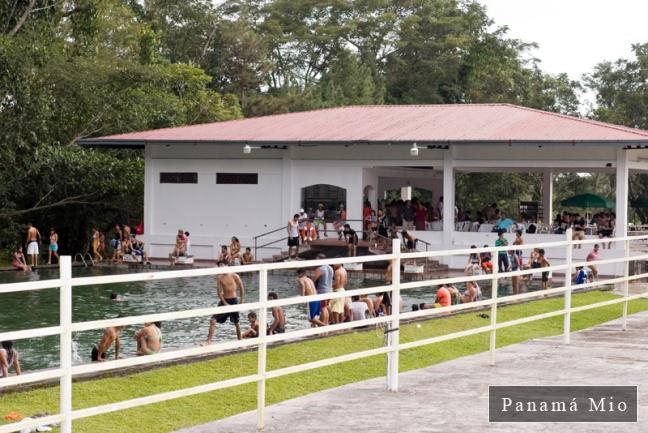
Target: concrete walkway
point(453, 396)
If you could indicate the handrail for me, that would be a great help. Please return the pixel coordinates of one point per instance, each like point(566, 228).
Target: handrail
point(391, 321)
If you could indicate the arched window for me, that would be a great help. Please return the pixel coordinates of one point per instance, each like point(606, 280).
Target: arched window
point(330, 196)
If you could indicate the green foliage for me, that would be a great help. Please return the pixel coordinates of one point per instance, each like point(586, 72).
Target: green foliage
point(474, 191)
point(76, 69)
point(621, 91)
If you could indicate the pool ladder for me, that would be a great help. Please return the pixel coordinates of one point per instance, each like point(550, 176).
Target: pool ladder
point(83, 257)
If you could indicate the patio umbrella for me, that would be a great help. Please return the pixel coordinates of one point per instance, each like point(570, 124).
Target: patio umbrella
point(588, 201)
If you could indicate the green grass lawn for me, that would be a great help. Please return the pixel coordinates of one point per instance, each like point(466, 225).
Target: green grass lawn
point(179, 413)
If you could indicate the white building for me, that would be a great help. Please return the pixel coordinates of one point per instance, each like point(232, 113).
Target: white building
point(247, 177)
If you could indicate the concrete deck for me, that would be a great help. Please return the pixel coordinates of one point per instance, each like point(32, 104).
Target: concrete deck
point(453, 396)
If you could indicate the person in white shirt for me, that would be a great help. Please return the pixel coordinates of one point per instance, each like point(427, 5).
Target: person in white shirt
point(359, 309)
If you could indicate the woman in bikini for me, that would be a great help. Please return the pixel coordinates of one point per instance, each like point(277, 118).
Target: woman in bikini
point(149, 339)
point(95, 245)
point(53, 246)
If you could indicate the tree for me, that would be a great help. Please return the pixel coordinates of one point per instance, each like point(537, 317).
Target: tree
point(76, 69)
point(621, 91)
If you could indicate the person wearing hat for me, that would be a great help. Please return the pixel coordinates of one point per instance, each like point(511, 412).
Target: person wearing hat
point(320, 220)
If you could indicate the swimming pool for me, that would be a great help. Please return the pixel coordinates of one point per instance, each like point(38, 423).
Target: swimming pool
point(24, 310)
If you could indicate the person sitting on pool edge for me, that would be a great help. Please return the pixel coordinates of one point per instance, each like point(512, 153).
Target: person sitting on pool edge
point(9, 358)
point(253, 332)
point(149, 339)
point(247, 257)
point(278, 325)
point(486, 263)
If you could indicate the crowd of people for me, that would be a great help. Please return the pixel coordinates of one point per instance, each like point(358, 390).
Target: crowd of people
point(511, 260)
point(604, 223)
point(124, 244)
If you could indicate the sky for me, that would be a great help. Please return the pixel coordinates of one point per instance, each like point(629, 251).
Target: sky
point(574, 35)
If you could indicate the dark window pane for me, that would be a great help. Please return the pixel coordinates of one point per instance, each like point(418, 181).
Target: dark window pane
point(237, 178)
point(178, 177)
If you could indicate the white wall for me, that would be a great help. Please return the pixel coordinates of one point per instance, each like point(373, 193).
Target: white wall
point(211, 213)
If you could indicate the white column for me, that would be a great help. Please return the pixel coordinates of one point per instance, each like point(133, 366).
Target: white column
point(149, 184)
point(448, 197)
point(287, 207)
point(547, 196)
point(622, 177)
point(65, 356)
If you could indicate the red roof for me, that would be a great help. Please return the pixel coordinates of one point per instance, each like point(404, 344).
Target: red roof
point(443, 124)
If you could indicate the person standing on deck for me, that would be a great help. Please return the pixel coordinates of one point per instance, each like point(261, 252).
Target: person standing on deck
point(33, 238)
point(226, 291)
point(293, 237)
point(53, 246)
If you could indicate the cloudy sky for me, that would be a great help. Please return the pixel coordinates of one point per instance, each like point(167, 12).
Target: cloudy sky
point(574, 35)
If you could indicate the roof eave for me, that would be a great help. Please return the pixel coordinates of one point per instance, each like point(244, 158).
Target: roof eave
point(440, 144)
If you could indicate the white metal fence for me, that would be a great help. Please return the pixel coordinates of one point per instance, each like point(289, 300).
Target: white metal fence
point(66, 371)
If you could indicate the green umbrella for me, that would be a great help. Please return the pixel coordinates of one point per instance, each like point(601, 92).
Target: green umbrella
point(640, 203)
point(588, 201)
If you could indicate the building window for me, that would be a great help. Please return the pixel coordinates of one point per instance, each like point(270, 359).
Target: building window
point(178, 177)
point(237, 178)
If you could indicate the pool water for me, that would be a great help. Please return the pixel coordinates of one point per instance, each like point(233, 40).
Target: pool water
point(25, 310)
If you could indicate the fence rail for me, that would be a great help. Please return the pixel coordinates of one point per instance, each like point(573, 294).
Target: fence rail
point(66, 327)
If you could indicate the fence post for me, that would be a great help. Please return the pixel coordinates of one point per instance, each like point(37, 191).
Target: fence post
point(626, 285)
point(393, 332)
point(65, 319)
point(568, 287)
point(493, 332)
point(262, 348)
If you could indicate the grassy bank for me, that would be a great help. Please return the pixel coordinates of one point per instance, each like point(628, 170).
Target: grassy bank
point(175, 414)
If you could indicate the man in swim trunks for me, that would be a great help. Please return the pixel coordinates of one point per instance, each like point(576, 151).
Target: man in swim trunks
point(278, 325)
point(338, 305)
point(323, 278)
point(53, 246)
point(307, 288)
point(110, 336)
point(293, 237)
point(149, 339)
point(33, 237)
point(226, 291)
